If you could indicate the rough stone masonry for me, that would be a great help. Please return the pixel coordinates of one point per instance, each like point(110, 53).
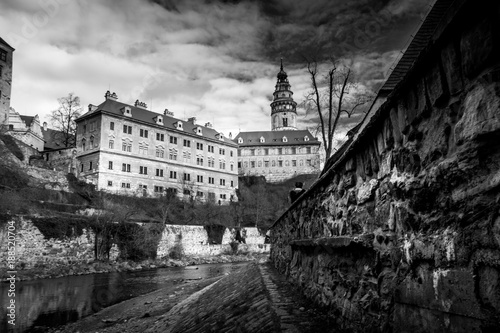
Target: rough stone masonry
point(402, 233)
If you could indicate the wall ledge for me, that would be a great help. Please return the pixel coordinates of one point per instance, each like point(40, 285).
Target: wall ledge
point(365, 240)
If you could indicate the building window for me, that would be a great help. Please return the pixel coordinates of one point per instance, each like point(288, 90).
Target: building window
point(187, 143)
point(231, 153)
point(252, 152)
point(81, 167)
point(127, 147)
point(84, 129)
point(273, 163)
point(160, 137)
point(266, 164)
point(239, 165)
point(91, 143)
point(173, 174)
point(199, 145)
point(112, 126)
point(143, 170)
point(158, 189)
point(3, 55)
point(143, 133)
point(222, 182)
point(186, 191)
point(125, 167)
point(83, 144)
point(127, 129)
point(232, 183)
point(199, 179)
point(294, 163)
point(125, 185)
point(280, 163)
point(211, 180)
point(223, 196)
point(199, 161)
point(252, 164)
point(287, 163)
point(210, 149)
point(239, 152)
point(280, 151)
point(232, 167)
point(222, 165)
point(294, 150)
point(222, 151)
point(266, 151)
point(90, 165)
point(308, 162)
point(110, 165)
point(186, 156)
point(211, 162)
point(172, 154)
point(160, 153)
point(111, 144)
point(173, 140)
point(187, 177)
point(246, 164)
point(308, 150)
point(199, 194)
point(159, 172)
point(172, 190)
point(110, 183)
point(260, 164)
point(143, 150)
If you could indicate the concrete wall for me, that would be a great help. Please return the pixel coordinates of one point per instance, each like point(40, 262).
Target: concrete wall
point(402, 234)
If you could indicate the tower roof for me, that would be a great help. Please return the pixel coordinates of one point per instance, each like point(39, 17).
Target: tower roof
point(282, 76)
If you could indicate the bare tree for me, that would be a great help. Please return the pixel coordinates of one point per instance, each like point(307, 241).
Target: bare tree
point(330, 97)
point(63, 119)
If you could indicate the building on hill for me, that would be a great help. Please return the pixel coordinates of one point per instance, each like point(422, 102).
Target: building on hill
point(56, 155)
point(129, 149)
point(283, 152)
point(26, 129)
point(6, 60)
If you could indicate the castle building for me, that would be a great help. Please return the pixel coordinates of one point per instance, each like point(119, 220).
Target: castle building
point(283, 152)
point(26, 129)
point(6, 58)
point(131, 150)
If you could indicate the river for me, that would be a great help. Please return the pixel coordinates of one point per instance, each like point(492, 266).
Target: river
point(53, 302)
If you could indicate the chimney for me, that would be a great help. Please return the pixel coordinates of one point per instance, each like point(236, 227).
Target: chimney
point(192, 120)
point(168, 113)
point(92, 108)
point(45, 126)
point(112, 96)
point(142, 105)
point(209, 125)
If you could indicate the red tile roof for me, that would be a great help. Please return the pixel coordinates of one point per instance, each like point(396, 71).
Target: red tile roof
point(275, 138)
point(139, 114)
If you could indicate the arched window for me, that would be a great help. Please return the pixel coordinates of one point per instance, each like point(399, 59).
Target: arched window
point(84, 144)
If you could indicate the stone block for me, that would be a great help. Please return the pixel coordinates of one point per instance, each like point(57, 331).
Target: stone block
point(477, 47)
point(436, 86)
point(452, 68)
point(479, 112)
point(366, 191)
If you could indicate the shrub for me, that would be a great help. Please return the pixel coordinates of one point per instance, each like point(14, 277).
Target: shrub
point(138, 242)
point(234, 247)
point(176, 252)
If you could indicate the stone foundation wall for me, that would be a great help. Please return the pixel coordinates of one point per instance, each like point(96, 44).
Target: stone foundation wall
point(193, 240)
point(402, 233)
point(33, 249)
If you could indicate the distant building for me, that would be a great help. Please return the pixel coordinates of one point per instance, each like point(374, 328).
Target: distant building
point(6, 57)
point(56, 155)
point(129, 149)
point(26, 129)
point(283, 152)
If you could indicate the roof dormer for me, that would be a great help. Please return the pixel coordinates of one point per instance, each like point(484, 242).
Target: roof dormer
point(240, 140)
point(262, 140)
point(158, 120)
point(306, 138)
point(178, 125)
point(126, 111)
point(285, 139)
point(220, 136)
point(198, 130)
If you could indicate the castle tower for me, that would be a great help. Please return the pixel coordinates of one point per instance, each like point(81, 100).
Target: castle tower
point(283, 108)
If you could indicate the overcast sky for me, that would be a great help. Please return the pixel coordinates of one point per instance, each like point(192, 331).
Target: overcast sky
point(216, 60)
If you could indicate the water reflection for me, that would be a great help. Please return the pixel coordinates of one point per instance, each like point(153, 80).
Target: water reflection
point(53, 302)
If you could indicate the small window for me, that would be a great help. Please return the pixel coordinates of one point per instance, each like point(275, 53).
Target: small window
point(187, 192)
point(159, 172)
point(112, 126)
point(173, 174)
point(3, 55)
point(173, 140)
point(90, 165)
point(110, 165)
point(187, 143)
point(110, 183)
point(143, 170)
point(111, 144)
point(143, 133)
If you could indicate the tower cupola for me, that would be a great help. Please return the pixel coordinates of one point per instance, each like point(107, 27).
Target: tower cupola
point(283, 107)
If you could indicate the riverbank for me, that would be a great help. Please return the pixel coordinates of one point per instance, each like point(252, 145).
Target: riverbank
point(42, 271)
point(251, 299)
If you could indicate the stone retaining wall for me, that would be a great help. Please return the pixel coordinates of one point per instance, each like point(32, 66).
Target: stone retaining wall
point(402, 233)
point(33, 249)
